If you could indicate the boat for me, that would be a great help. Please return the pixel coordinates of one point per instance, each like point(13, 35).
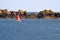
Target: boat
point(18, 17)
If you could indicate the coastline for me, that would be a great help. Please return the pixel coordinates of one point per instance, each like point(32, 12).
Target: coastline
point(44, 14)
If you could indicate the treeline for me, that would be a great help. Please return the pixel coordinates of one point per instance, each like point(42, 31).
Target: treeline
point(24, 14)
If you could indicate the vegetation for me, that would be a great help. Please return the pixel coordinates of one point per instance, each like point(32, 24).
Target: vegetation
point(24, 14)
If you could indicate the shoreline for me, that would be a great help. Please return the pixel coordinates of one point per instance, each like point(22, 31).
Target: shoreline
point(44, 14)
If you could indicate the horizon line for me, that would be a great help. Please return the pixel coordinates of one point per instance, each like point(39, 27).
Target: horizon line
point(29, 11)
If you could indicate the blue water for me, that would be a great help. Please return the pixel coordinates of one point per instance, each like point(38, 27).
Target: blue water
point(30, 29)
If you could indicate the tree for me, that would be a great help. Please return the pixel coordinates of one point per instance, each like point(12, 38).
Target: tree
point(25, 14)
point(40, 14)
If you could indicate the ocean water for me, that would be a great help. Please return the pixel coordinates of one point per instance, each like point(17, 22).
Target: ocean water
point(30, 29)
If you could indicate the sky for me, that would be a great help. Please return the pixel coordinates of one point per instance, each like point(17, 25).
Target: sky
point(30, 5)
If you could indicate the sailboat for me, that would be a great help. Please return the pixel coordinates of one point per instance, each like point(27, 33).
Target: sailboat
point(18, 18)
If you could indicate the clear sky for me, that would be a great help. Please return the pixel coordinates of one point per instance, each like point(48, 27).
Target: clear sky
point(30, 5)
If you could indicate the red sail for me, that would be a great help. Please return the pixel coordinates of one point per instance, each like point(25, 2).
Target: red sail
point(17, 18)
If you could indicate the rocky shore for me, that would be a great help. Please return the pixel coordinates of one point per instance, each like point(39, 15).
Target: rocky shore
point(24, 14)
